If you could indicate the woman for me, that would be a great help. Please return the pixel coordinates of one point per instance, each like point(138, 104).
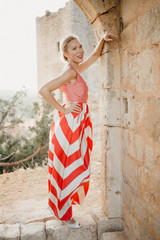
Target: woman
point(70, 141)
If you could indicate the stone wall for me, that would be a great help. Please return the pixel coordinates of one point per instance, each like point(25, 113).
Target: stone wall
point(140, 117)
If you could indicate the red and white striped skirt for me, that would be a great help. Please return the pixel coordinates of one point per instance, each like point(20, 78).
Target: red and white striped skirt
point(70, 146)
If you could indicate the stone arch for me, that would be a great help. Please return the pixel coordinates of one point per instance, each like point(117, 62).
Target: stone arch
point(103, 15)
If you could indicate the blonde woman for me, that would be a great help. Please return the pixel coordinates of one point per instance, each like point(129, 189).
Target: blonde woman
point(70, 140)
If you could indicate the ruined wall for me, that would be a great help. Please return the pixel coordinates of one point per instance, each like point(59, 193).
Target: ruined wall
point(140, 117)
point(50, 29)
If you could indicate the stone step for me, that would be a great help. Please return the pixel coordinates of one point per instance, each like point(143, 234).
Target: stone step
point(94, 227)
point(50, 230)
point(114, 236)
point(55, 230)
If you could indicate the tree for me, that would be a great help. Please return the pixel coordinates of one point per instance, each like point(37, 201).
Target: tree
point(19, 148)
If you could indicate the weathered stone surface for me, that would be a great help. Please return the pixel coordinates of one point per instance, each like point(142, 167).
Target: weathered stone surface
point(56, 230)
point(127, 109)
point(109, 225)
point(138, 206)
point(148, 27)
point(139, 147)
point(114, 173)
point(148, 186)
point(149, 156)
point(111, 108)
point(94, 8)
point(130, 172)
point(132, 223)
point(114, 236)
point(156, 225)
point(141, 72)
point(9, 232)
point(33, 231)
point(110, 75)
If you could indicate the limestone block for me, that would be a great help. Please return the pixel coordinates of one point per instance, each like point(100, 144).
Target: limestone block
point(145, 234)
point(114, 236)
point(149, 156)
point(9, 232)
point(129, 10)
point(127, 231)
point(157, 225)
point(124, 65)
point(110, 74)
point(33, 231)
point(127, 39)
point(109, 225)
point(141, 74)
point(111, 107)
point(148, 27)
point(114, 173)
point(55, 230)
point(132, 223)
point(127, 109)
point(125, 144)
point(148, 186)
point(91, 8)
point(130, 172)
point(147, 113)
point(133, 144)
point(139, 147)
point(137, 205)
point(103, 157)
point(127, 194)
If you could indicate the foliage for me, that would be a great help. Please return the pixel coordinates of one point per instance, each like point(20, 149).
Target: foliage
point(21, 146)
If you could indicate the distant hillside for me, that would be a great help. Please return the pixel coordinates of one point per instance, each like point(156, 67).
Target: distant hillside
point(27, 101)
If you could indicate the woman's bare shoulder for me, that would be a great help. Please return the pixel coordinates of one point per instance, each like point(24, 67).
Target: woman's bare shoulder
point(69, 70)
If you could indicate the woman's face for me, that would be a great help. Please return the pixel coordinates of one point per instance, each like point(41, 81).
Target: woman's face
point(75, 51)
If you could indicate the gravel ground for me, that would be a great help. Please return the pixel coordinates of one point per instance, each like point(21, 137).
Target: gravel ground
point(24, 194)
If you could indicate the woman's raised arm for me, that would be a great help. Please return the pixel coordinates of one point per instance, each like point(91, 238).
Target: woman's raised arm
point(108, 37)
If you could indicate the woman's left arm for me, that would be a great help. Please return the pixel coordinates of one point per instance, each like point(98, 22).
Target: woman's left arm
point(108, 37)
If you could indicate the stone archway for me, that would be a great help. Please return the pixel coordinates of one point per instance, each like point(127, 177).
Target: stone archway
point(103, 15)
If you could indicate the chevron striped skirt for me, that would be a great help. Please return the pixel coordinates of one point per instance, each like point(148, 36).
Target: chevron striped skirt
point(70, 146)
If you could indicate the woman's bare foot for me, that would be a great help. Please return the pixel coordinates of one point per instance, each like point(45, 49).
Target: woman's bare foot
point(71, 221)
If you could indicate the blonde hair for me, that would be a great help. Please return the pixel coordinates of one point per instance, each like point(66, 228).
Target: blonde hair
point(65, 42)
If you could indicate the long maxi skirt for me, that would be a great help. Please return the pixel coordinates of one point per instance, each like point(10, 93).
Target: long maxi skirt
point(70, 146)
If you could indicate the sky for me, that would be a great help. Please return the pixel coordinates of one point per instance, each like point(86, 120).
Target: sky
point(18, 60)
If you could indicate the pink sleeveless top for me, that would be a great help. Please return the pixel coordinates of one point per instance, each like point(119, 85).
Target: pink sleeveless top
point(77, 91)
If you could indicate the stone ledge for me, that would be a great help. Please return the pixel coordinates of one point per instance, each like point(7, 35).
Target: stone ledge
point(105, 224)
point(50, 230)
point(9, 232)
point(33, 231)
point(114, 236)
point(56, 230)
point(95, 227)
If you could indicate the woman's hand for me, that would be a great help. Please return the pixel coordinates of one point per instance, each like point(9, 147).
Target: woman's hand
point(110, 36)
point(71, 107)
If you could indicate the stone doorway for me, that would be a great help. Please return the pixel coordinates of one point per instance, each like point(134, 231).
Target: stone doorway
point(103, 15)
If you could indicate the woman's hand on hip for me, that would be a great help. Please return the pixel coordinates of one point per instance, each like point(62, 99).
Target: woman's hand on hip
point(71, 107)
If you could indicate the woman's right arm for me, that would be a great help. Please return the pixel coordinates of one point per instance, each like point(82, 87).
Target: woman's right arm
point(46, 91)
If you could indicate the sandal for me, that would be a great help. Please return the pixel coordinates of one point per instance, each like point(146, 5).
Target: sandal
point(73, 225)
